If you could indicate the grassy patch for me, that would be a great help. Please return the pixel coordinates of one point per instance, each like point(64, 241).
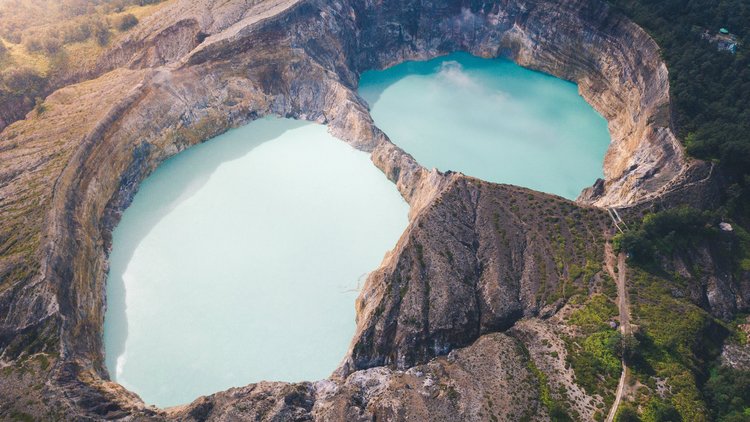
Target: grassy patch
point(595, 354)
point(21, 416)
point(556, 409)
point(595, 360)
point(595, 314)
point(676, 339)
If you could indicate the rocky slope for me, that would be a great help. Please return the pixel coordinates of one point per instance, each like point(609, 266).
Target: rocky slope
point(476, 259)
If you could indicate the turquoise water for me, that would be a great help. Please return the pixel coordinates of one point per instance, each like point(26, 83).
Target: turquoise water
point(490, 119)
point(239, 261)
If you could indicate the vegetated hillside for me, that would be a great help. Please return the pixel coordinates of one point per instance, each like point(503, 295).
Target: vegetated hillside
point(710, 89)
point(688, 287)
point(44, 42)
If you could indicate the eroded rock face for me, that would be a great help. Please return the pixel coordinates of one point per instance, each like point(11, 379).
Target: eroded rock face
point(489, 379)
point(475, 259)
point(615, 64)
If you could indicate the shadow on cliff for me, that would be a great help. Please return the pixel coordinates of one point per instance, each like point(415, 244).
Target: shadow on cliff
point(174, 182)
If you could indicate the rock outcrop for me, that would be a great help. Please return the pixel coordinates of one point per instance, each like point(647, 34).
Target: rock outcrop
point(469, 384)
point(475, 259)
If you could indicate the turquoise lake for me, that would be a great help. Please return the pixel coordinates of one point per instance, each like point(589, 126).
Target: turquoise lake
point(490, 119)
point(239, 260)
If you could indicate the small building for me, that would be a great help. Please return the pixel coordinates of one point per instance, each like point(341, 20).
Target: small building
point(724, 40)
point(727, 45)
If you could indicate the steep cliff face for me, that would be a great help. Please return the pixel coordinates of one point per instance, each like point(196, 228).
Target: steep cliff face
point(475, 259)
point(615, 64)
point(469, 384)
point(712, 280)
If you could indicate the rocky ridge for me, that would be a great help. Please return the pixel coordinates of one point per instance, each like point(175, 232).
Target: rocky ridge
point(476, 259)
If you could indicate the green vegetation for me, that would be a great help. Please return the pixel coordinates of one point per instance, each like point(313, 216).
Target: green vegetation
point(595, 314)
point(666, 232)
point(595, 355)
point(627, 413)
point(678, 231)
point(728, 394)
point(710, 92)
point(21, 416)
point(676, 340)
point(658, 410)
point(677, 350)
point(596, 361)
point(557, 412)
point(710, 89)
point(556, 408)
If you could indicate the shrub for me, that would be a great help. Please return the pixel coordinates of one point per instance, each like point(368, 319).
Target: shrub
point(659, 410)
point(77, 32)
point(100, 30)
point(630, 346)
point(45, 42)
point(595, 314)
point(126, 22)
point(40, 107)
point(728, 393)
point(666, 232)
point(22, 80)
point(627, 414)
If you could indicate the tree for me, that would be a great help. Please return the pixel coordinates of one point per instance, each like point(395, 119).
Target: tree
point(630, 346)
point(627, 414)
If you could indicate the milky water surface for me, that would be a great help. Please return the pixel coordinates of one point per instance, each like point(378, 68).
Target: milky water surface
point(491, 119)
point(239, 261)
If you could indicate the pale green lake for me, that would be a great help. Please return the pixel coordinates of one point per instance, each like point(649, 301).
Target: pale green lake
point(239, 261)
point(490, 119)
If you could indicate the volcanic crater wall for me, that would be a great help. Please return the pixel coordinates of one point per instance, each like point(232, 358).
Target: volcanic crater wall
point(475, 258)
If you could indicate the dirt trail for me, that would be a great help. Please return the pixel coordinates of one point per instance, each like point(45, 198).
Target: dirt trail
point(624, 306)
